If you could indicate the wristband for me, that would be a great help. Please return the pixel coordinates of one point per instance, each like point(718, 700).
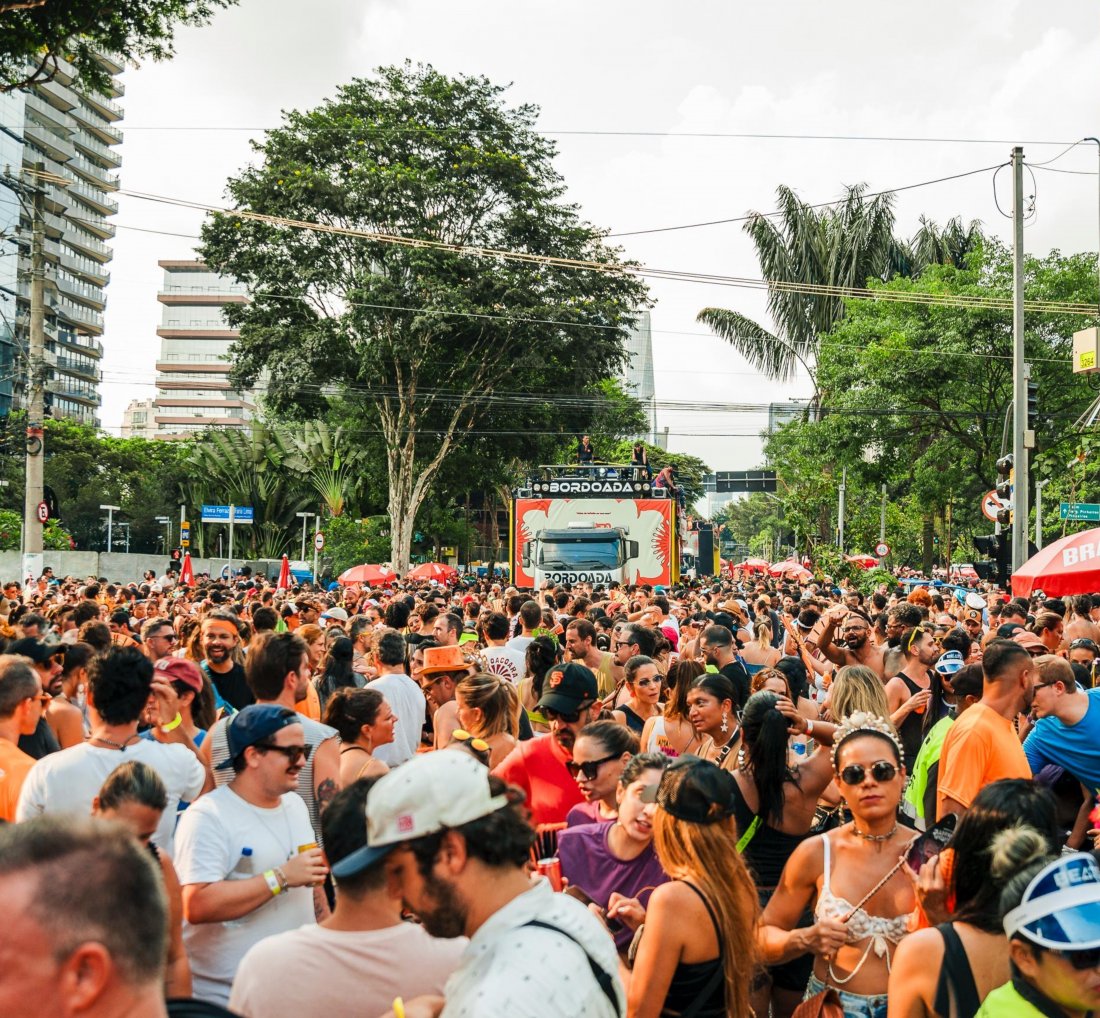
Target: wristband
point(809, 727)
point(173, 724)
point(274, 885)
point(281, 877)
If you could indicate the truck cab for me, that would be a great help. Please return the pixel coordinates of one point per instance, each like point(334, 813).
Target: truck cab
point(580, 553)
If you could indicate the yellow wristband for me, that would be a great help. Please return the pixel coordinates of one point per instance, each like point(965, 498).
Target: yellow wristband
point(173, 724)
point(398, 1007)
point(273, 884)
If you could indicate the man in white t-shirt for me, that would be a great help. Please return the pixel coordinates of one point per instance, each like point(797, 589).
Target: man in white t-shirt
point(120, 683)
point(530, 618)
point(504, 661)
point(405, 697)
point(359, 959)
point(246, 855)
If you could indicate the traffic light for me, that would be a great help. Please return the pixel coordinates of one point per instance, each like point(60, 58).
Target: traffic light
point(998, 549)
point(1032, 403)
point(1006, 480)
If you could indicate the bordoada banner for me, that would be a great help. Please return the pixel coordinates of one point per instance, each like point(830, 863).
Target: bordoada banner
point(648, 522)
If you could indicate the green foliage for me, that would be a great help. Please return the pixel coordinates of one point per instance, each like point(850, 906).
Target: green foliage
point(54, 536)
point(424, 350)
point(690, 470)
point(38, 34)
point(352, 542)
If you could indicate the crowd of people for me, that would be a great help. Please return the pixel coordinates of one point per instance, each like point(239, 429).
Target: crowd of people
point(726, 797)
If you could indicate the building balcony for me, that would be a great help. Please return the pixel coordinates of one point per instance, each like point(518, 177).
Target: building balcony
point(55, 226)
point(102, 105)
point(93, 197)
point(47, 142)
point(87, 245)
point(72, 389)
point(211, 298)
point(92, 223)
point(74, 366)
point(91, 270)
point(46, 114)
point(91, 121)
point(96, 151)
point(96, 174)
point(85, 344)
point(57, 95)
point(78, 313)
point(83, 293)
point(200, 333)
point(175, 367)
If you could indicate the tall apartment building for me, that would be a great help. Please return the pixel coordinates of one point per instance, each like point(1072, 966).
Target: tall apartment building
point(637, 375)
point(193, 387)
point(138, 419)
point(69, 133)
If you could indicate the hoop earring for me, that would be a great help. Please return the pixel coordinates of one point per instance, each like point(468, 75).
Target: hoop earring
point(725, 721)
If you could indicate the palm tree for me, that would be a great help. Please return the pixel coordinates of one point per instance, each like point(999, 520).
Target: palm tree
point(326, 458)
point(932, 246)
point(842, 245)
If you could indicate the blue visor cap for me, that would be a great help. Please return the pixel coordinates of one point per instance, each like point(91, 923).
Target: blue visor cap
point(1061, 906)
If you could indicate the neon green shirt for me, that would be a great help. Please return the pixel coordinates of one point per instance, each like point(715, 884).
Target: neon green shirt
point(929, 754)
point(1005, 1002)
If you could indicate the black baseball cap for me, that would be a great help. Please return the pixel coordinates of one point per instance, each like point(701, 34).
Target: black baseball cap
point(568, 688)
point(256, 722)
point(39, 651)
point(694, 790)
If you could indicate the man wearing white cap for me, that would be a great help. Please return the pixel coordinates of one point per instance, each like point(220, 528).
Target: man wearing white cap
point(460, 844)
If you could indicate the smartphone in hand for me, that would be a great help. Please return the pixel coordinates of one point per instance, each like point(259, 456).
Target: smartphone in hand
point(613, 925)
point(931, 842)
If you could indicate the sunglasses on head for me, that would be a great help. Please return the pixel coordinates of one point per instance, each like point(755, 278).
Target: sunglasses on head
point(292, 753)
point(1083, 960)
point(914, 635)
point(881, 771)
point(590, 768)
point(461, 735)
point(1083, 642)
point(555, 715)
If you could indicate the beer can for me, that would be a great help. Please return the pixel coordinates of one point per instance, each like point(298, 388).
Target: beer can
point(307, 847)
point(551, 869)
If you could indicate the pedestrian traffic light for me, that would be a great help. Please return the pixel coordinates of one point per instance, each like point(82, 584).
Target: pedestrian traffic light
point(1006, 475)
point(997, 548)
point(1032, 403)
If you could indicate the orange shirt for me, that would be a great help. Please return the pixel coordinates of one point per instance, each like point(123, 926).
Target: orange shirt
point(311, 705)
point(14, 764)
point(980, 747)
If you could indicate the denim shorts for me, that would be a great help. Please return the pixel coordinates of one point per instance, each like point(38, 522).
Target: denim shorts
point(855, 1005)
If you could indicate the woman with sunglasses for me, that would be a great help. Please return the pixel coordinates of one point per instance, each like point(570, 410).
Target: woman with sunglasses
point(1051, 915)
point(613, 862)
point(671, 732)
point(600, 753)
point(488, 708)
point(862, 900)
point(713, 715)
point(947, 970)
point(643, 684)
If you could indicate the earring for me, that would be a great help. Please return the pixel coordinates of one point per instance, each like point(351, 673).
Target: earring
point(725, 721)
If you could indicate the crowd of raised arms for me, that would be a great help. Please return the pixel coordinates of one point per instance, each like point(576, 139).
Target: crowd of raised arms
point(738, 797)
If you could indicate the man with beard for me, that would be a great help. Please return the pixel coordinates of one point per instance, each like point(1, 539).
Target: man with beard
point(245, 859)
point(908, 692)
point(220, 638)
point(855, 647)
point(716, 646)
point(899, 620)
point(62, 723)
point(539, 766)
point(460, 847)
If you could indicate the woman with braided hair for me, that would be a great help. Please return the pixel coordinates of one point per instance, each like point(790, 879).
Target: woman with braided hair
point(863, 898)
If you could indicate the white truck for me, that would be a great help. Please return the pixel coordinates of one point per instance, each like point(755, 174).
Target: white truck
point(581, 553)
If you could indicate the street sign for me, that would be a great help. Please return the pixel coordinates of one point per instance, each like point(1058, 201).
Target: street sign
point(991, 502)
point(43, 512)
point(220, 514)
point(185, 530)
point(319, 541)
point(882, 549)
point(1079, 511)
point(185, 542)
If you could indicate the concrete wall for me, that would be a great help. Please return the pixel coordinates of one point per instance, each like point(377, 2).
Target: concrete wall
point(116, 566)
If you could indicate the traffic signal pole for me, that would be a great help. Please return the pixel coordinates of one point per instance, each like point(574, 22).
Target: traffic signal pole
point(1019, 368)
point(36, 347)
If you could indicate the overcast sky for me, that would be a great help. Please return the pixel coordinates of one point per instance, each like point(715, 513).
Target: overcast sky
point(999, 72)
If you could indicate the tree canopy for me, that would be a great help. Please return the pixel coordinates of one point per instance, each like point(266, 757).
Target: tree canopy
point(427, 347)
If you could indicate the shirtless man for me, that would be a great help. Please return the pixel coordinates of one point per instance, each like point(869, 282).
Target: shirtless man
point(855, 647)
point(1079, 624)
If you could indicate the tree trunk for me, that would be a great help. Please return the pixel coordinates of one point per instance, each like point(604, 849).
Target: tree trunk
point(928, 532)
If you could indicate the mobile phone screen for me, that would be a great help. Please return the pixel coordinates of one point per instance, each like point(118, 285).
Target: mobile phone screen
point(613, 925)
point(931, 842)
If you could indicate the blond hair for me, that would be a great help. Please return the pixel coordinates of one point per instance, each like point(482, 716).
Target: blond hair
point(497, 700)
point(857, 688)
point(700, 854)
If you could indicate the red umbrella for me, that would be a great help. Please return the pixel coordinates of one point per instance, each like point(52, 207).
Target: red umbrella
point(284, 575)
point(863, 561)
point(432, 571)
point(781, 568)
point(1068, 566)
point(367, 574)
point(757, 565)
point(187, 574)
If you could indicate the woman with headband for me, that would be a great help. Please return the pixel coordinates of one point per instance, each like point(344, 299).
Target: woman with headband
point(863, 899)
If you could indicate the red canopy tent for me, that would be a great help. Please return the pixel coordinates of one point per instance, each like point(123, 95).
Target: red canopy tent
point(439, 571)
point(783, 568)
point(1068, 566)
point(753, 565)
point(187, 573)
point(367, 574)
point(284, 575)
point(863, 561)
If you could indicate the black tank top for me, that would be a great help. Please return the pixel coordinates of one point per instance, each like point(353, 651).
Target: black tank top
point(768, 851)
point(956, 991)
point(41, 742)
point(910, 730)
point(698, 989)
point(633, 721)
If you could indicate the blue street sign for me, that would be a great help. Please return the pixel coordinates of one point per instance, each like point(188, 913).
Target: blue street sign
point(220, 514)
point(1079, 511)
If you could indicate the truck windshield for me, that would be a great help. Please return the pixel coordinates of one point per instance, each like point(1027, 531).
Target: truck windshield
point(579, 553)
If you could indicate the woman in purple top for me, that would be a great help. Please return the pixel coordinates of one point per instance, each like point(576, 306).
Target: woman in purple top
point(617, 857)
point(600, 753)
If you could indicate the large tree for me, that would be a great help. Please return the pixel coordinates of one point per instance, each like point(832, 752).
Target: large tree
point(38, 34)
point(429, 344)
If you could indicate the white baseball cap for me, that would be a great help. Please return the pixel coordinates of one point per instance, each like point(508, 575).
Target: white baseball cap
point(431, 792)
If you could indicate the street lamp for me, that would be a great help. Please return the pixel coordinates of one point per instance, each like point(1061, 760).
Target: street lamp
point(127, 526)
point(111, 510)
point(167, 521)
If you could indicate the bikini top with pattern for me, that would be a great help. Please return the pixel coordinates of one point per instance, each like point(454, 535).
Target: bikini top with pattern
point(861, 926)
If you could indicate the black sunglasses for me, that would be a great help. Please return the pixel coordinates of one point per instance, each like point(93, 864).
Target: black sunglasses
point(881, 771)
point(1088, 958)
point(555, 715)
point(292, 753)
point(590, 768)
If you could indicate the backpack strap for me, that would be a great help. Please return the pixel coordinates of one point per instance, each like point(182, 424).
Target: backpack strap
point(599, 973)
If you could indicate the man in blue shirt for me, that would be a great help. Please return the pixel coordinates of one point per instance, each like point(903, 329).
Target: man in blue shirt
point(1067, 732)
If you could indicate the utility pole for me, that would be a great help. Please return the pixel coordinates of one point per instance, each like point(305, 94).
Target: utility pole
point(110, 510)
point(1020, 443)
point(841, 496)
point(316, 550)
point(1039, 485)
point(36, 350)
point(882, 519)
